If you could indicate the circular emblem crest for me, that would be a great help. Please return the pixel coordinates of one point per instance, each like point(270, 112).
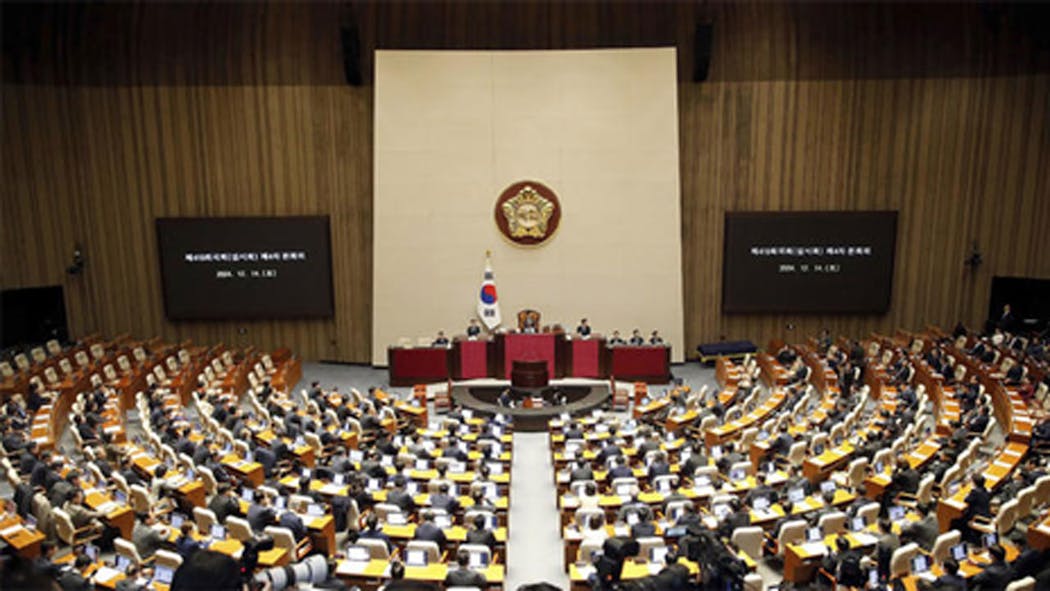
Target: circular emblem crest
point(528, 213)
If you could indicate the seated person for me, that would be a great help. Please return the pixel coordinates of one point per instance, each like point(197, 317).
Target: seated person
point(430, 532)
point(463, 575)
point(441, 340)
point(481, 534)
point(655, 339)
point(615, 339)
point(473, 330)
point(529, 325)
point(583, 330)
point(636, 338)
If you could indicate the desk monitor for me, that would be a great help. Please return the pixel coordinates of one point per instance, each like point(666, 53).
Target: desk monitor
point(879, 468)
point(919, 564)
point(373, 484)
point(624, 490)
point(858, 524)
point(416, 558)
point(676, 531)
point(701, 481)
point(658, 554)
point(479, 560)
point(737, 475)
point(315, 510)
point(122, 564)
point(761, 503)
point(30, 522)
point(358, 554)
point(990, 540)
point(356, 455)
point(665, 486)
point(120, 497)
point(443, 520)
point(163, 574)
point(177, 519)
point(814, 534)
point(280, 503)
point(632, 518)
point(495, 468)
point(721, 510)
point(827, 487)
point(396, 518)
point(896, 513)
point(339, 480)
point(873, 578)
point(91, 551)
point(217, 532)
point(716, 451)
point(797, 494)
point(959, 552)
point(412, 488)
point(248, 494)
point(422, 465)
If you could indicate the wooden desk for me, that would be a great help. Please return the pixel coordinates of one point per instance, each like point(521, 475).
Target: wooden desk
point(417, 365)
point(1039, 533)
point(119, 516)
point(730, 430)
point(25, 541)
point(369, 574)
point(249, 471)
point(632, 569)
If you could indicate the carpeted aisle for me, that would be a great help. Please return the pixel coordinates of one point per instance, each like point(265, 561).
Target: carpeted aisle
point(534, 548)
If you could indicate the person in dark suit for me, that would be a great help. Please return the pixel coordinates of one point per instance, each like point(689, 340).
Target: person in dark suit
point(620, 469)
point(977, 424)
point(473, 330)
point(659, 467)
point(636, 338)
point(224, 504)
point(697, 459)
point(673, 576)
point(978, 502)
point(443, 500)
point(294, 523)
point(645, 528)
point(481, 534)
point(655, 339)
point(995, 576)
point(74, 579)
point(949, 581)
point(43, 564)
point(462, 575)
point(609, 450)
point(441, 340)
point(185, 545)
point(428, 531)
point(582, 471)
point(584, 330)
point(261, 514)
point(739, 517)
point(400, 497)
point(925, 531)
point(374, 532)
point(615, 339)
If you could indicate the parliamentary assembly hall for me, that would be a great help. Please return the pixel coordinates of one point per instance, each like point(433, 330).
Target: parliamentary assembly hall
point(525, 295)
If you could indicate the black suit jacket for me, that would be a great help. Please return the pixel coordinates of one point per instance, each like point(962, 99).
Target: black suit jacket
point(465, 577)
point(259, 517)
point(994, 577)
point(224, 506)
point(482, 536)
point(431, 533)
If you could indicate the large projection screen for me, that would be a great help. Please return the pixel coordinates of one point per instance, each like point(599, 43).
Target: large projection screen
point(453, 129)
point(820, 262)
point(245, 268)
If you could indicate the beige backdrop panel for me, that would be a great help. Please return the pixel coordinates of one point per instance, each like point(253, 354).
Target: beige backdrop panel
point(453, 129)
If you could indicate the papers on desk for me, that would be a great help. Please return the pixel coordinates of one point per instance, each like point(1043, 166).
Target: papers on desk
point(585, 570)
point(112, 429)
point(106, 507)
point(865, 539)
point(104, 574)
point(10, 531)
point(352, 567)
point(814, 548)
point(331, 489)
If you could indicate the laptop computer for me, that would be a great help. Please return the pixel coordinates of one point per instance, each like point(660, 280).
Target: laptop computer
point(478, 560)
point(162, 574)
point(415, 558)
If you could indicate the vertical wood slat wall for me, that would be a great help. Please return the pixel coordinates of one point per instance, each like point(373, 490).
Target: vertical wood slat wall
point(115, 114)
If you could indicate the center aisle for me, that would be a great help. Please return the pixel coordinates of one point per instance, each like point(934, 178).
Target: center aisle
point(534, 546)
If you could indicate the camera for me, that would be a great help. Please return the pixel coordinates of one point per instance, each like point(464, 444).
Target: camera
point(250, 557)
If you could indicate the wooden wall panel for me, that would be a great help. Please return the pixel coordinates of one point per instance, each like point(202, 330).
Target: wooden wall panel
point(114, 114)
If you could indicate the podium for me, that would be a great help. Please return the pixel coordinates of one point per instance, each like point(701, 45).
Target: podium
point(529, 374)
point(469, 359)
point(546, 346)
point(586, 358)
